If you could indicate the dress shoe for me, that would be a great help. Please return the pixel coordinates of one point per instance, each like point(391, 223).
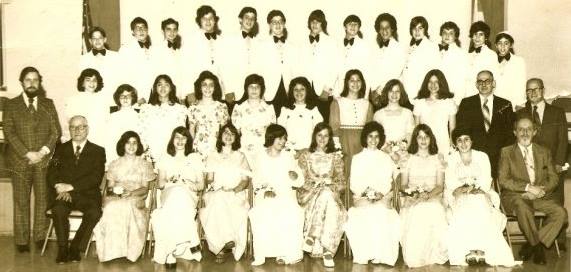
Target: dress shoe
point(62, 255)
point(74, 255)
point(539, 255)
point(39, 244)
point(170, 266)
point(526, 251)
point(23, 248)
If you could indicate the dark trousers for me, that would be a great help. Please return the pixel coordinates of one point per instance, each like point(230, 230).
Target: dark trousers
point(91, 210)
point(23, 180)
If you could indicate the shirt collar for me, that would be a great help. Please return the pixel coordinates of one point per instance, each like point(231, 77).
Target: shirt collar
point(490, 98)
point(523, 148)
point(81, 145)
point(540, 106)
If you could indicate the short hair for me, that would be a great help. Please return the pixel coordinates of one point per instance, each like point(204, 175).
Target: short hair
point(27, 70)
point(139, 20)
point(275, 13)
point(539, 81)
point(416, 21)
point(486, 71)
point(310, 96)
point(256, 28)
point(480, 26)
point(443, 89)
point(253, 79)
point(167, 22)
point(453, 26)
point(319, 16)
point(216, 95)
point(330, 147)
point(97, 29)
point(386, 17)
point(403, 101)
point(120, 148)
point(203, 11)
point(523, 116)
point(274, 131)
point(154, 96)
point(125, 88)
point(89, 72)
point(369, 128)
point(432, 146)
point(460, 131)
point(348, 75)
point(171, 150)
point(354, 19)
point(508, 37)
point(236, 144)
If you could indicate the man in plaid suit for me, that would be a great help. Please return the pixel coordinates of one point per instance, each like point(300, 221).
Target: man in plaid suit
point(31, 128)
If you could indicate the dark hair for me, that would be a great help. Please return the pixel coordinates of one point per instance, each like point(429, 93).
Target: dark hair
point(460, 131)
point(125, 88)
point(171, 150)
point(319, 16)
point(432, 146)
point(139, 20)
point(217, 94)
point(235, 145)
point(369, 128)
point(167, 22)
point(443, 89)
point(403, 101)
point(330, 147)
point(120, 148)
point(41, 91)
point(480, 26)
point(453, 26)
point(348, 75)
point(89, 72)
point(100, 30)
point(416, 21)
point(274, 131)
point(354, 19)
point(154, 97)
point(273, 14)
point(310, 96)
point(525, 115)
point(392, 22)
point(203, 11)
point(256, 28)
point(508, 37)
point(253, 79)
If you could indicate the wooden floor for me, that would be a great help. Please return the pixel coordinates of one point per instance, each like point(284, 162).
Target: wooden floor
point(23, 262)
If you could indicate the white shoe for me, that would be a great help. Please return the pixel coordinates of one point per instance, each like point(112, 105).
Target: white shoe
point(258, 261)
point(328, 262)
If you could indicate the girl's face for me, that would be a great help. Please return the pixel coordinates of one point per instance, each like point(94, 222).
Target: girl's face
point(418, 32)
point(207, 88)
point(131, 146)
point(90, 84)
point(385, 30)
point(125, 99)
point(479, 39)
point(433, 85)
point(394, 94)
point(277, 26)
point(464, 143)
point(207, 22)
point(163, 88)
point(352, 28)
point(279, 143)
point(373, 140)
point(355, 83)
point(423, 140)
point(299, 93)
point(228, 137)
point(179, 142)
point(254, 91)
point(503, 46)
point(448, 36)
point(322, 139)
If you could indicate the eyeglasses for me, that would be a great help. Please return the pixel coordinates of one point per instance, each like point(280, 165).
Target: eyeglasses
point(484, 82)
point(78, 128)
point(533, 89)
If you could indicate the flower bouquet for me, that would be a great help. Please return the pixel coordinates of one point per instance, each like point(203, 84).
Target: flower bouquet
point(396, 149)
point(414, 195)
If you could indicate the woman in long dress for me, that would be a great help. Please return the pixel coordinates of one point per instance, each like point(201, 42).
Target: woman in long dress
point(122, 228)
point(435, 107)
point(276, 218)
point(373, 227)
point(423, 215)
point(325, 179)
point(225, 215)
point(125, 118)
point(181, 177)
point(476, 224)
point(208, 115)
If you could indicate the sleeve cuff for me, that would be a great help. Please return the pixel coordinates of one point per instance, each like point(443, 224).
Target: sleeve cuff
point(45, 150)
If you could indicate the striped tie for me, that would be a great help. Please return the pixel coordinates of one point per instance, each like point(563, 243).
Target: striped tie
point(536, 116)
point(486, 113)
point(77, 153)
point(529, 165)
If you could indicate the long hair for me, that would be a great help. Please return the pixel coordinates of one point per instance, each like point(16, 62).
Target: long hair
point(319, 16)
point(203, 11)
point(120, 147)
point(273, 131)
point(216, 95)
point(386, 17)
point(443, 90)
point(171, 150)
point(416, 21)
point(403, 101)
point(219, 143)
point(354, 19)
point(256, 28)
point(348, 75)
point(253, 79)
point(310, 95)
point(154, 97)
point(432, 146)
point(330, 147)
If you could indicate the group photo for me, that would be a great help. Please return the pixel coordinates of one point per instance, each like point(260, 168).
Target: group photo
point(260, 136)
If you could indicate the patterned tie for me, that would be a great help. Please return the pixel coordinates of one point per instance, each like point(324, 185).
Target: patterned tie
point(486, 113)
point(536, 118)
point(77, 153)
point(529, 164)
point(31, 108)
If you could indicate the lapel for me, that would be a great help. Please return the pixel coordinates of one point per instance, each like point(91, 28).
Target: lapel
point(535, 161)
point(21, 106)
point(84, 153)
point(520, 163)
point(479, 115)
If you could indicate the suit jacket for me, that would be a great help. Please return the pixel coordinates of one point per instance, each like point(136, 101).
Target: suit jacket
point(500, 133)
point(85, 176)
point(513, 175)
point(27, 132)
point(553, 131)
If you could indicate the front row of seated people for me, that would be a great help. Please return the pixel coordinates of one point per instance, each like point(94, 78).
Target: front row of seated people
point(297, 199)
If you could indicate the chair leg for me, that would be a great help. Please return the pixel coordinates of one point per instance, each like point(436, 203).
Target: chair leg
point(48, 233)
point(557, 248)
point(509, 238)
point(88, 245)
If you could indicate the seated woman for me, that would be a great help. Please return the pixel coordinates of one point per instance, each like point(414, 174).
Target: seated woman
point(276, 218)
point(476, 224)
point(325, 215)
point(122, 228)
point(123, 117)
point(422, 214)
point(373, 227)
point(181, 177)
point(225, 215)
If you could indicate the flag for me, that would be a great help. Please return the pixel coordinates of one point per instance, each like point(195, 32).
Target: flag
point(87, 25)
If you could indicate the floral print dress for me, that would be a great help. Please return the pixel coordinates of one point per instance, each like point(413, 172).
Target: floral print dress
point(207, 120)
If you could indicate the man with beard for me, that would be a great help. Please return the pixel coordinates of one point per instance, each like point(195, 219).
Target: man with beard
point(31, 128)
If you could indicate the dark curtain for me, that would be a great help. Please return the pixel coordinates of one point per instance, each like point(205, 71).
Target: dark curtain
point(494, 15)
point(105, 14)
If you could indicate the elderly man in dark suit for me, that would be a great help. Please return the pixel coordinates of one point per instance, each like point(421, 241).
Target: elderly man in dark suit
point(31, 128)
point(528, 178)
point(489, 117)
point(75, 174)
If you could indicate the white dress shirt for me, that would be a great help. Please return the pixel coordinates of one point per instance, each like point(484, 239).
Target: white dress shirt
point(388, 64)
point(511, 80)
point(420, 60)
point(238, 59)
point(137, 67)
point(356, 56)
point(477, 62)
point(454, 65)
point(320, 62)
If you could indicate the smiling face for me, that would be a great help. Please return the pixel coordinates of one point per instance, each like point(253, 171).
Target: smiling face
point(524, 132)
point(131, 146)
point(503, 46)
point(433, 86)
point(479, 38)
point(315, 27)
point(299, 93)
point(90, 84)
point(170, 32)
point(140, 32)
point(207, 88)
point(78, 129)
point(423, 140)
point(248, 21)
point(125, 99)
point(355, 83)
point(228, 137)
point(322, 139)
point(279, 143)
point(179, 142)
point(385, 30)
point(163, 88)
point(352, 29)
point(464, 143)
point(394, 94)
point(373, 140)
point(97, 40)
point(207, 22)
point(448, 36)
point(418, 32)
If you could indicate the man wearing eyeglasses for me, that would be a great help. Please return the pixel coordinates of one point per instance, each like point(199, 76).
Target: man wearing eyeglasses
point(74, 177)
point(489, 117)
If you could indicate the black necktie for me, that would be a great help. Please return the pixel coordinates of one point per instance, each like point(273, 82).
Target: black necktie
point(145, 44)
point(477, 50)
point(443, 47)
point(77, 153)
point(415, 42)
point(210, 36)
point(95, 52)
point(385, 43)
point(31, 108)
point(502, 58)
point(279, 39)
point(348, 41)
point(536, 116)
point(313, 39)
point(247, 34)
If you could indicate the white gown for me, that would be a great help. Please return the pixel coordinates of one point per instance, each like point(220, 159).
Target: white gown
point(252, 121)
point(299, 123)
point(436, 115)
point(118, 123)
point(157, 124)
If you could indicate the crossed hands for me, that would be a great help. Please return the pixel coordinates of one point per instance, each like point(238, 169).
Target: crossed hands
point(534, 192)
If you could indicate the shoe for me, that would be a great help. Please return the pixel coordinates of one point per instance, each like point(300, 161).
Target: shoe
point(169, 266)
point(74, 255)
point(376, 261)
point(62, 255)
point(39, 244)
point(23, 248)
point(258, 261)
point(526, 252)
point(328, 260)
point(195, 249)
point(280, 261)
point(539, 255)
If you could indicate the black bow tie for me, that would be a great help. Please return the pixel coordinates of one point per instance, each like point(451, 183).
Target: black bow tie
point(312, 39)
point(95, 52)
point(506, 57)
point(247, 34)
point(170, 44)
point(145, 44)
point(385, 43)
point(477, 50)
point(210, 36)
point(348, 41)
point(279, 39)
point(415, 42)
point(443, 47)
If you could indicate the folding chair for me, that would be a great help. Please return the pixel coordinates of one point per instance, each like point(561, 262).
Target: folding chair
point(250, 236)
point(151, 205)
